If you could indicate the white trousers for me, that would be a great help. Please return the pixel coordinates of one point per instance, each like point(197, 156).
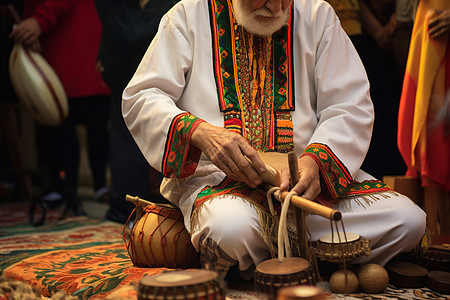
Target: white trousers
point(393, 225)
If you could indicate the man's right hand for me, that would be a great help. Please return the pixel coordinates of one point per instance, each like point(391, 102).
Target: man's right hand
point(230, 152)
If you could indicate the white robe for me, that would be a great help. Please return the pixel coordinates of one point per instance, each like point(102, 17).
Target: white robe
point(332, 101)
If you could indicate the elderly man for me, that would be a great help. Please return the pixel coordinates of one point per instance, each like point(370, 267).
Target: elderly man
point(225, 80)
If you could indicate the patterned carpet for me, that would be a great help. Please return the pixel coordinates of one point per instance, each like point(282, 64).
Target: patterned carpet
point(87, 258)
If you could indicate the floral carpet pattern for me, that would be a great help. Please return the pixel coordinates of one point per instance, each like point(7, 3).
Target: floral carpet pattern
point(87, 258)
point(84, 257)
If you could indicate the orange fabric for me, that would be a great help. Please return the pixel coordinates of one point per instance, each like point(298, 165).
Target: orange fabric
point(421, 139)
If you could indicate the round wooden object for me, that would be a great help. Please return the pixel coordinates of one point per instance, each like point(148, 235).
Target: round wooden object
point(271, 275)
point(373, 278)
point(158, 238)
point(436, 258)
point(183, 284)
point(344, 282)
point(406, 274)
point(301, 292)
point(439, 281)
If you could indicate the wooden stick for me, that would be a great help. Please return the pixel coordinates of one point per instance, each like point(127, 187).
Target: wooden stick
point(136, 200)
point(13, 13)
point(314, 207)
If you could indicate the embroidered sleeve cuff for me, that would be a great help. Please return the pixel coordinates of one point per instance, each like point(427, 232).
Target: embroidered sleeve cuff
point(180, 158)
point(336, 181)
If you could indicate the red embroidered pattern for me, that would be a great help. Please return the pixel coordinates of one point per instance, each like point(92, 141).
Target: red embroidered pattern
point(180, 159)
point(336, 181)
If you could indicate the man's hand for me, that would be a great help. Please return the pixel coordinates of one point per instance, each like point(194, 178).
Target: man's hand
point(308, 185)
point(383, 38)
point(440, 24)
point(26, 32)
point(230, 152)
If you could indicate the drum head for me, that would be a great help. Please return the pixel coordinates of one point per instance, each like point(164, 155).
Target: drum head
point(301, 292)
point(290, 265)
point(179, 278)
point(37, 86)
point(339, 238)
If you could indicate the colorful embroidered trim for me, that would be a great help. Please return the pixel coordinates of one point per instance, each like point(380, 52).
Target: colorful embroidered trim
point(254, 80)
point(336, 181)
point(180, 160)
point(228, 186)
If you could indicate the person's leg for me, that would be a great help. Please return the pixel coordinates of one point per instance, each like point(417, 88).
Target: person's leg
point(96, 115)
point(129, 168)
point(228, 233)
point(69, 150)
point(393, 225)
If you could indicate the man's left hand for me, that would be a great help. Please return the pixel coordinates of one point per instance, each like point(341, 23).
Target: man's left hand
point(308, 185)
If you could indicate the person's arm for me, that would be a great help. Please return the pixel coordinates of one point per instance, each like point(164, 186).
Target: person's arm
point(440, 24)
point(45, 17)
point(50, 12)
point(382, 35)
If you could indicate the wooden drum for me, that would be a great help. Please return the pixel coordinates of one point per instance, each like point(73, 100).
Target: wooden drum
point(436, 257)
point(187, 284)
point(339, 248)
point(271, 275)
point(158, 238)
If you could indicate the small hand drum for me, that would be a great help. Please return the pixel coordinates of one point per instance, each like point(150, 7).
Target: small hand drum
point(339, 248)
point(183, 284)
point(271, 275)
point(158, 238)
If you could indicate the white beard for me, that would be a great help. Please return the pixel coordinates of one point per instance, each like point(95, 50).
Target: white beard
point(248, 19)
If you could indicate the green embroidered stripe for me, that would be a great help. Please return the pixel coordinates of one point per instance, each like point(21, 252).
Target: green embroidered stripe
point(337, 183)
point(223, 54)
point(180, 160)
point(226, 66)
point(228, 186)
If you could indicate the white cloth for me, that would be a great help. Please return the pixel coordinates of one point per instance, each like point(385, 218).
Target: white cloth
point(392, 225)
point(332, 102)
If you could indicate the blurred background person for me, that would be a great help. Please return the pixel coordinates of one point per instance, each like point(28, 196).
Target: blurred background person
point(128, 28)
point(67, 33)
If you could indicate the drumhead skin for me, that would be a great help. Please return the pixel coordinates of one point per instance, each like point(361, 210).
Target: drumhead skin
point(301, 292)
point(341, 237)
point(179, 278)
point(290, 265)
point(195, 284)
point(37, 86)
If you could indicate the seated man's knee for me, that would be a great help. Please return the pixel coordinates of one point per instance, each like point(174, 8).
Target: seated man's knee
point(411, 223)
point(231, 222)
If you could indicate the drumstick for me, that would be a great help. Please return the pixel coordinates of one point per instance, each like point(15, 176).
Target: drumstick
point(13, 12)
point(314, 207)
point(136, 199)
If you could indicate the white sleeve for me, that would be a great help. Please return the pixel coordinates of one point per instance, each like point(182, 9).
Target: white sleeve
point(149, 100)
point(344, 109)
